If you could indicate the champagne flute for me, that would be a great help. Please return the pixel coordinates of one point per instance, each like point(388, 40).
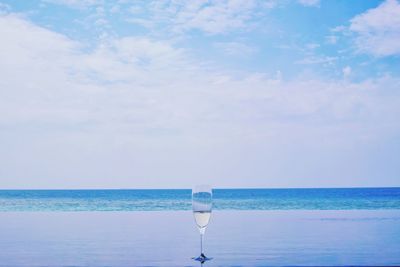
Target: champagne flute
point(202, 205)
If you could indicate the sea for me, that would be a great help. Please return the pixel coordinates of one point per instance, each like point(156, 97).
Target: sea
point(180, 199)
point(155, 227)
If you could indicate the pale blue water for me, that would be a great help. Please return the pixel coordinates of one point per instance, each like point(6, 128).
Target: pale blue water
point(170, 238)
point(180, 199)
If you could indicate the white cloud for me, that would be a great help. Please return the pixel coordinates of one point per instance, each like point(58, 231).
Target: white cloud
point(378, 30)
point(135, 9)
point(312, 46)
point(75, 3)
point(212, 17)
point(134, 103)
point(61, 78)
point(180, 16)
point(331, 39)
point(309, 2)
point(340, 28)
point(346, 71)
point(236, 48)
point(327, 60)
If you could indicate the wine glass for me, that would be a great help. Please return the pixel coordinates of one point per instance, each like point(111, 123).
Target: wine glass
point(202, 205)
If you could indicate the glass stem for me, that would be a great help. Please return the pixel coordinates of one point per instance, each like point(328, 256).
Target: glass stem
point(201, 244)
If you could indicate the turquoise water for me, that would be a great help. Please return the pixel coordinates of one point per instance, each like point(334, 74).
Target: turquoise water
point(180, 199)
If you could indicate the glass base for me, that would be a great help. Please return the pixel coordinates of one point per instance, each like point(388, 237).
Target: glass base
point(202, 258)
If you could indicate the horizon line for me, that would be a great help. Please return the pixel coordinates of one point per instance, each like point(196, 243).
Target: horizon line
point(217, 188)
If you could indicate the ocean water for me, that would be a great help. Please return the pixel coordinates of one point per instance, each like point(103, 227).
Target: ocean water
point(248, 227)
point(233, 238)
point(180, 199)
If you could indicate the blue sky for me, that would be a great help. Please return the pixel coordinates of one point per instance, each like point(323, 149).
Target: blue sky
point(235, 93)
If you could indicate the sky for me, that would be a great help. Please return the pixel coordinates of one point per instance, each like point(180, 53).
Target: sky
point(173, 93)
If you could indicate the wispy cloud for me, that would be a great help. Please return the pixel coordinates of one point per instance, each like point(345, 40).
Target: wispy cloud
point(346, 71)
point(309, 2)
point(236, 48)
point(378, 30)
point(142, 84)
point(211, 17)
point(75, 3)
point(331, 39)
point(317, 60)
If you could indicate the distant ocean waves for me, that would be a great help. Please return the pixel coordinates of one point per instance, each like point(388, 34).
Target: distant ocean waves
point(224, 199)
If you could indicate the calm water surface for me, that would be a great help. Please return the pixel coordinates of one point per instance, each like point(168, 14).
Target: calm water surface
point(169, 238)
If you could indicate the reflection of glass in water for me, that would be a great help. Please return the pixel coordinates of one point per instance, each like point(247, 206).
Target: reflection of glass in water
point(202, 205)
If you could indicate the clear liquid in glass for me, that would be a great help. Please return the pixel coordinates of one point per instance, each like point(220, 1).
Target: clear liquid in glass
point(202, 206)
